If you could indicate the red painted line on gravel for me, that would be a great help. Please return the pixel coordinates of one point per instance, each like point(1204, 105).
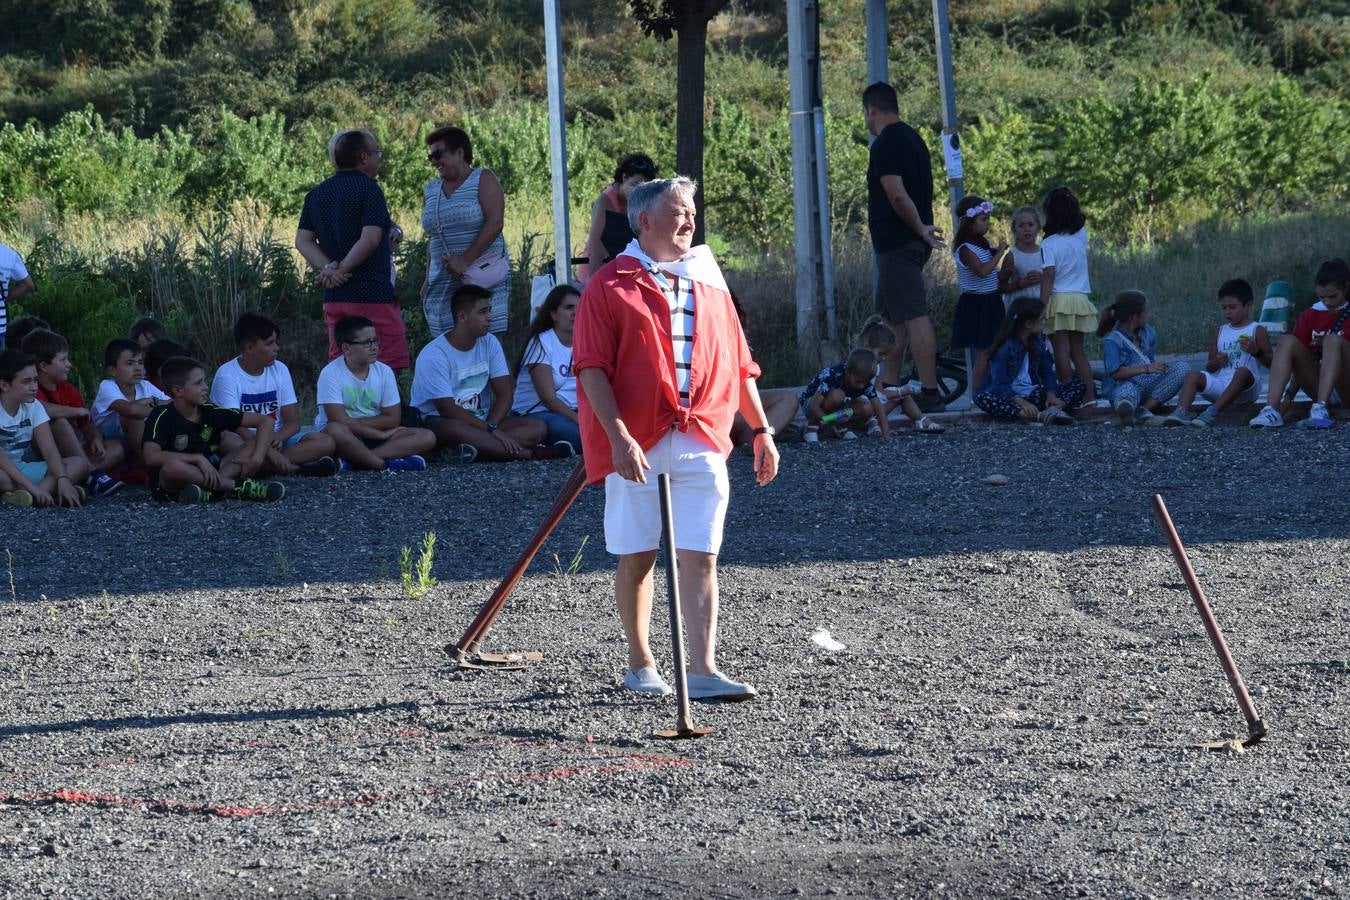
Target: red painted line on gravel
point(630, 762)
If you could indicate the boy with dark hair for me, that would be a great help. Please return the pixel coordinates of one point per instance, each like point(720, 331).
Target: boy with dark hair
point(146, 331)
point(125, 399)
point(72, 429)
point(256, 381)
point(449, 380)
point(23, 326)
point(846, 394)
point(157, 354)
point(1238, 359)
point(360, 408)
point(32, 470)
point(183, 447)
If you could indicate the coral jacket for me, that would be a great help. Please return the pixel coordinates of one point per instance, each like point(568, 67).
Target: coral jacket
point(623, 329)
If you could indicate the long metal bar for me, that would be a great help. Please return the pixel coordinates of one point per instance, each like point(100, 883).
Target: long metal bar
point(947, 87)
point(489, 611)
point(557, 141)
point(684, 720)
point(1255, 727)
point(803, 181)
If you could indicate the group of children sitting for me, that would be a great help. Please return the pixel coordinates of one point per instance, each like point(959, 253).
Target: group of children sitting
point(156, 419)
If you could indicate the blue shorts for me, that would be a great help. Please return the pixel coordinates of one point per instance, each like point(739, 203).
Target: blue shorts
point(33, 470)
point(304, 432)
point(111, 427)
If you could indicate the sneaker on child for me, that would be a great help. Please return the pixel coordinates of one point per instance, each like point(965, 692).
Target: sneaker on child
point(1269, 417)
point(322, 467)
point(258, 491)
point(413, 463)
point(101, 484)
point(1125, 412)
point(1318, 417)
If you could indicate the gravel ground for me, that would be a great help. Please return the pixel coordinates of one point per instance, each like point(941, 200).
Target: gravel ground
point(238, 699)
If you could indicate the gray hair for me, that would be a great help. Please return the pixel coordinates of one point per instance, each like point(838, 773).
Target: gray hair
point(643, 197)
point(337, 136)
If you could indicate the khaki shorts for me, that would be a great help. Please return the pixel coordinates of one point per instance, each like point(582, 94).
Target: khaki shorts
point(699, 492)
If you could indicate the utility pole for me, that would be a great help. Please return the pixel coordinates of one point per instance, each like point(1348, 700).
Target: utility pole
point(878, 45)
point(557, 142)
point(951, 147)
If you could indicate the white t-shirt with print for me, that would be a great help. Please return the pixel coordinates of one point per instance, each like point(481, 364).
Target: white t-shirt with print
point(1068, 253)
point(16, 431)
point(360, 398)
point(109, 393)
point(265, 393)
point(545, 349)
point(443, 372)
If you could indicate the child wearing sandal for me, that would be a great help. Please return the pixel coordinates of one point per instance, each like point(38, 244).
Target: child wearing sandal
point(1020, 382)
point(1135, 382)
point(878, 337)
point(847, 386)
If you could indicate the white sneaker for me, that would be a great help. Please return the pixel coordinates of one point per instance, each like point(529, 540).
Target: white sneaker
point(811, 435)
point(647, 681)
point(1318, 417)
point(1125, 412)
point(1269, 417)
point(851, 435)
point(719, 687)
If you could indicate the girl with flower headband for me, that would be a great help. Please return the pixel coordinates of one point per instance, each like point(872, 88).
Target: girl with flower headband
point(1065, 287)
point(979, 309)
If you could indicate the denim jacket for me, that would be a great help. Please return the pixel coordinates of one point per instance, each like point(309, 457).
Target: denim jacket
point(1006, 364)
point(1117, 352)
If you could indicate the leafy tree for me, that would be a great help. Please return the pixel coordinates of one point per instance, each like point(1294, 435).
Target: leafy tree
point(689, 20)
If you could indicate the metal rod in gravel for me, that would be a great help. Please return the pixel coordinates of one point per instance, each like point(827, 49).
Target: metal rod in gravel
point(467, 651)
point(1256, 729)
point(684, 720)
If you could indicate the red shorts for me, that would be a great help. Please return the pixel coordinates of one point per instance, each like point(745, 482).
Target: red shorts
point(388, 319)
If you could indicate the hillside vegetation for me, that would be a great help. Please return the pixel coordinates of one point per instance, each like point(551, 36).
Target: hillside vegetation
point(164, 116)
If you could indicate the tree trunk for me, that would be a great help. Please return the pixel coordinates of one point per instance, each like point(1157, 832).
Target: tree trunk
point(692, 49)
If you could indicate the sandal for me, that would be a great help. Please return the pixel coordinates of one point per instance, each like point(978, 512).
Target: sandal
point(928, 425)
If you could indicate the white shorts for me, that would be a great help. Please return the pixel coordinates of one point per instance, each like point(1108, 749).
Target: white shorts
point(698, 496)
point(1217, 382)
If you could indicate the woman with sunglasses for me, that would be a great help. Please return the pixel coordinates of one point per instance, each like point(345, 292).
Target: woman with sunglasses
point(610, 231)
point(462, 212)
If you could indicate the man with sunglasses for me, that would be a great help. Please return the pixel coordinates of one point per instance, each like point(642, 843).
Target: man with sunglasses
point(344, 235)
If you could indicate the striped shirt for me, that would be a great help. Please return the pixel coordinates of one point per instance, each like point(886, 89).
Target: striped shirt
point(967, 280)
point(680, 297)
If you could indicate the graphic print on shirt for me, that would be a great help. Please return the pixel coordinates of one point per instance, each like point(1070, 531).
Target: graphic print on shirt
point(264, 403)
point(472, 381)
point(359, 401)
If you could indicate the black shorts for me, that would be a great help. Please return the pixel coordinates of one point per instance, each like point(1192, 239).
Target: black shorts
point(900, 293)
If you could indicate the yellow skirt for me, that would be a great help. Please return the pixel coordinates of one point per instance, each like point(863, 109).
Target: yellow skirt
point(1070, 311)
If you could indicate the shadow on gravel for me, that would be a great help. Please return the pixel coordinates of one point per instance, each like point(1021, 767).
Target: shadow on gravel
point(230, 718)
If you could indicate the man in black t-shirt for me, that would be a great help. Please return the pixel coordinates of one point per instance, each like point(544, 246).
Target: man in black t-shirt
point(182, 446)
point(344, 234)
point(900, 218)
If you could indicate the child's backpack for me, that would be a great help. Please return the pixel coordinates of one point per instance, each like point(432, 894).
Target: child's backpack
point(1277, 311)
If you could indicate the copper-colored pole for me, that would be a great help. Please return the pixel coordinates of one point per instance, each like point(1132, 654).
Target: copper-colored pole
point(493, 607)
point(1255, 727)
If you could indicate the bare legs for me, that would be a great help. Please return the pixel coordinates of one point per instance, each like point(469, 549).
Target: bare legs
point(698, 606)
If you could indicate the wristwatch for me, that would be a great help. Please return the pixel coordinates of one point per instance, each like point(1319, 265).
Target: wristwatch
point(767, 429)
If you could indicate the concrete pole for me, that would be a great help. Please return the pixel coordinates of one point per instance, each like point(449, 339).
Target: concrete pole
point(805, 223)
point(878, 49)
point(822, 176)
point(557, 141)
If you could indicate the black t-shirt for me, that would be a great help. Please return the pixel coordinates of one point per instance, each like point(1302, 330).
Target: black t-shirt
point(167, 427)
point(898, 150)
point(336, 211)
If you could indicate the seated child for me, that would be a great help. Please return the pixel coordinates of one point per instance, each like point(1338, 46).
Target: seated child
point(449, 380)
point(878, 337)
point(1135, 381)
point(1317, 355)
point(256, 381)
point(21, 327)
point(32, 470)
point(845, 394)
point(72, 429)
point(124, 398)
point(1020, 381)
point(146, 331)
point(157, 354)
point(359, 405)
point(1237, 360)
point(183, 447)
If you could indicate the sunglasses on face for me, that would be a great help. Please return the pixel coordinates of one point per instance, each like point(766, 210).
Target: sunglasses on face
point(435, 155)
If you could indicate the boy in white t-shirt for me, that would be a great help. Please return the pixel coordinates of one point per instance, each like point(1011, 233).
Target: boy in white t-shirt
point(1238, 364)
point(125, 399)
point(32, 470)
point(359, 405)
point(256, 381)
point(451, 376)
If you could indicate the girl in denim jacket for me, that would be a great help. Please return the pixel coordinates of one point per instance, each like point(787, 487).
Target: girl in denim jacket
point(1135, 382)
point(1020, 382)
